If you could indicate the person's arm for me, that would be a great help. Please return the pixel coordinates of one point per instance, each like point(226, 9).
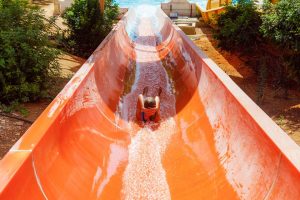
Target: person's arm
point(159, 91)
point(157, 98)
point(139, 107)
point(157, 102)
point(140, 104)
point(145, 91)
point(157, 116)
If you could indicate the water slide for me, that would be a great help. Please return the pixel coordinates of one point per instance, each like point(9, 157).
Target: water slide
point(213, 141)
point(212, 9)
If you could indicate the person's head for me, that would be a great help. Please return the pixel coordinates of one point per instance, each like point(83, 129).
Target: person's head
point(149, 102)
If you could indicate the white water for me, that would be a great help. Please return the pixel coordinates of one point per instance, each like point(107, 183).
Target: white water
point(144, 176)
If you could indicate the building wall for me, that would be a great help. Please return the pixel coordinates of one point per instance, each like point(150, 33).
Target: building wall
point(181, 7)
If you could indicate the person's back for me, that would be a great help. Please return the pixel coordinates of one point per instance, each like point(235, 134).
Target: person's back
point(148, 107)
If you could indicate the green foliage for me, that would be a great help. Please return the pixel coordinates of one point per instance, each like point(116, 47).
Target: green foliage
point(281, 25)
point(14, 106)
point(9, 108)
point(87, 25)
point(26, 56)
point(239, 26)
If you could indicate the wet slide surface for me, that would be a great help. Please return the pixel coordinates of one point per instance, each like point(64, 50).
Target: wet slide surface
point(212, 141)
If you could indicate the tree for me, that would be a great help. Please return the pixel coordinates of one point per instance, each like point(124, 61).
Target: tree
point(27, 59)
point(87, 25)
point(281, 25)
point(238, 26)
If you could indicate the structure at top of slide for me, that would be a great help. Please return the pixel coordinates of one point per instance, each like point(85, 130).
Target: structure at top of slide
point(212, 142)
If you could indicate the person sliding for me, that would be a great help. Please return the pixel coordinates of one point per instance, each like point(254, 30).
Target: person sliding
point(148, 107)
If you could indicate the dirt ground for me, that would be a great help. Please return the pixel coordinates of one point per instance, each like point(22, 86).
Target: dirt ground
point(284, 110)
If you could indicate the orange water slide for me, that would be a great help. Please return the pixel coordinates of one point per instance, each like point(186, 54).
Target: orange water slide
point(213, 141)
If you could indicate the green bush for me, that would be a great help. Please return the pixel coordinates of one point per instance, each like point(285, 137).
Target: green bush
point(26, 56)
point(87, 26)
point(281, 25)
point(238, 26)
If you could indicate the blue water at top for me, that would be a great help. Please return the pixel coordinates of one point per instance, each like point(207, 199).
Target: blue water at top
point(131, 3)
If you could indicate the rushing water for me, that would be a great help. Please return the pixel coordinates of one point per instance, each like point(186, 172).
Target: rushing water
point(131, 3)
point(145, 176)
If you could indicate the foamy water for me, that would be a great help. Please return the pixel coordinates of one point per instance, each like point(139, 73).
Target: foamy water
point(144, 176)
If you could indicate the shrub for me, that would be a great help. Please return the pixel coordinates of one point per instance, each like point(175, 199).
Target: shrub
point(87, 26)
point(26, 56)
point(238, 26)
point(281, 25)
